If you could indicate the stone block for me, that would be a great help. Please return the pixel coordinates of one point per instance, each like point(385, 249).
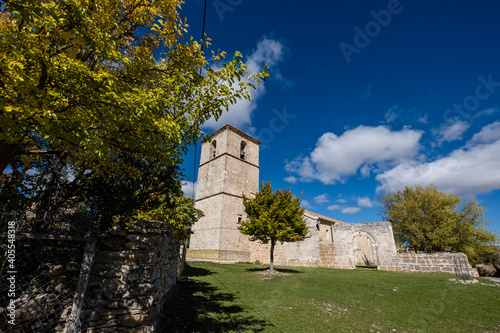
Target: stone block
point(142, 242)
point(146, 288)
point(138, 303)
point(140, 274)
point(134, 320)
point(124, 257)
point(110, 243)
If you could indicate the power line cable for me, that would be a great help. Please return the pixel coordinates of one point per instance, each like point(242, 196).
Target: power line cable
point(202, 46)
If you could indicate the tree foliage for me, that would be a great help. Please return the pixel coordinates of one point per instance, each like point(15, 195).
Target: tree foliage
point(428, 220)
point(99, 100)
point(274, 217)
point(55, 193)
point(96, 79)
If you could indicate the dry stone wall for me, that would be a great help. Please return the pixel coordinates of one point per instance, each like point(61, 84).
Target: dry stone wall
point(45, 282)
point(133, 272)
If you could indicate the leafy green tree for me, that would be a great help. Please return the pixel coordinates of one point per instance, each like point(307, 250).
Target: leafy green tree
point(93, 80)
point(274, 217)
point(428, 220)
point(178, 212)
point(56, 193)
point(98, 102)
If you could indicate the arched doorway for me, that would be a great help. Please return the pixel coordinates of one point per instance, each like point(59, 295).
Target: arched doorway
point(364, 251)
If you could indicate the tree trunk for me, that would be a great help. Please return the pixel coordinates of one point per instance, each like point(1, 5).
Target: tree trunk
point(271, 268)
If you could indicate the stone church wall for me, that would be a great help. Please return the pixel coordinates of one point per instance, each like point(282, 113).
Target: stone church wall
point(304, 253)
point(382, 247)
point(208, 184)
point(340, 245)
point(229, 167)
point(207, 230)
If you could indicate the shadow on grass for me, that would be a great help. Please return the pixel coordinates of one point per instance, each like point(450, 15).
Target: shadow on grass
point(196, 271)
point(204, 307)
point(280, 270)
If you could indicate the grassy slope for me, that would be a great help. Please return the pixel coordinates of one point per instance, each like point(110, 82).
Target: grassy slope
point(239, 298)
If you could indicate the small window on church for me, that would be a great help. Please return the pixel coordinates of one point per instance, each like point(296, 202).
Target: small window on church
point(242, 149)
point(213, 149)
point(239, 219)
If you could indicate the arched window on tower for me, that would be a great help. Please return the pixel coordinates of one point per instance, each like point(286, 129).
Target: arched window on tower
point(213, 149)
point(242, 149)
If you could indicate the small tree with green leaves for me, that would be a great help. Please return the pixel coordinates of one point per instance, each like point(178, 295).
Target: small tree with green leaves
point(274, 217)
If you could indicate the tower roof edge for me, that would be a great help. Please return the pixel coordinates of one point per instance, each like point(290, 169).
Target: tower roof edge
point(237, 131)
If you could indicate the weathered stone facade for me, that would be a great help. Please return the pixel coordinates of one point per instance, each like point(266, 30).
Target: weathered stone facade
point(360, 244)
point(430, 262)
point(229, 167)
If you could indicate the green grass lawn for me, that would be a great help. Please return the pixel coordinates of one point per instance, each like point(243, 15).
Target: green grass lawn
point(240, 298)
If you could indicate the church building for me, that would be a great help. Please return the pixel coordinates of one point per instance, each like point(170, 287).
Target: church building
point(229, 168)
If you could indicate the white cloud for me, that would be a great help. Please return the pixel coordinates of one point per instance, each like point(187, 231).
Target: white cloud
point(334, 207)
point(187, 188)
point(469, 170)
point(291, 179)
point(365, 202)
point(303, 167)
point(486, 112)
point(342, 200)
point(365, 171)
point(350, 210)
point(268, 51)
point(423, 119)
point(392, 114)
point(321, 199)
point(488, 134)
point(306, 204)
point(337, 157)
point(451, 131)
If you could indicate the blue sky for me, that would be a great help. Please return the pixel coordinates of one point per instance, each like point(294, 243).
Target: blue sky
point(366, 97)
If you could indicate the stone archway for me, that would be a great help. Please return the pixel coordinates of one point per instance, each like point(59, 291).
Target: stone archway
point(364, 249)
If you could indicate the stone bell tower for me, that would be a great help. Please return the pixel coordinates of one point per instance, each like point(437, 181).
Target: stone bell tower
point(229, 168)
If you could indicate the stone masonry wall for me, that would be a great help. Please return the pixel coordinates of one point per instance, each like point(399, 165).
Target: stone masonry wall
point(133, 272)
point(46, 279)
point(303, 253)
point(222, 180)
point(430, 262)
point(383, 247)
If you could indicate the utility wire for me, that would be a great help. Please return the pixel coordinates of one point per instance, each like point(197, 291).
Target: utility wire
point(202, 46)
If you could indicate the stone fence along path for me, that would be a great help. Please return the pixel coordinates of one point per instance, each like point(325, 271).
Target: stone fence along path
point(133, 272)
point(132, 275)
